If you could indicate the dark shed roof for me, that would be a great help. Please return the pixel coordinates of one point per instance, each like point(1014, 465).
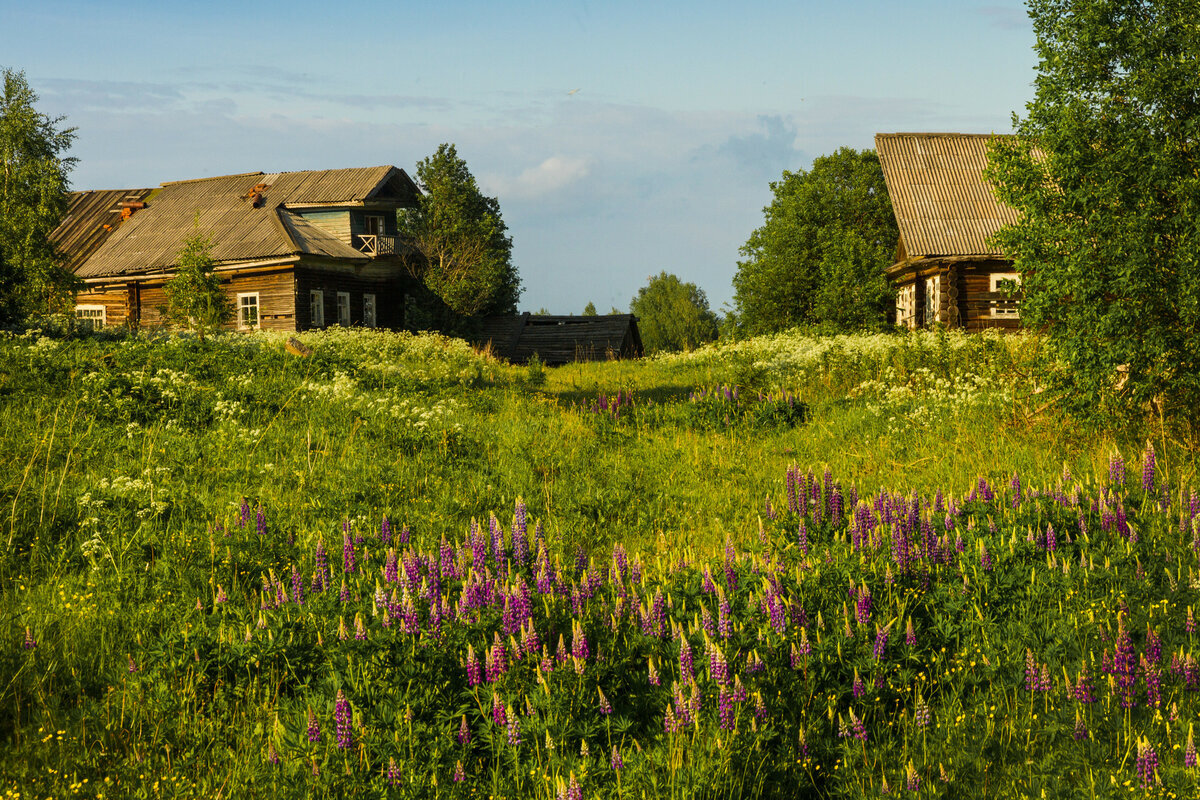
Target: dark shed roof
point(562, 339)
point(244, 226)
point(91, 218)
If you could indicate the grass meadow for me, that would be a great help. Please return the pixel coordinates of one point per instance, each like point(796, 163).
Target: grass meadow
point(785, 567)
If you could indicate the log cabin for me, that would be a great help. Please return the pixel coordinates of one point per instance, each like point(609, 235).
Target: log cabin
point(945, 271)
point(293, 250)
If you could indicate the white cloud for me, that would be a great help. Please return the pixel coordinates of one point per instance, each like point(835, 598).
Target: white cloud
point(553, 174)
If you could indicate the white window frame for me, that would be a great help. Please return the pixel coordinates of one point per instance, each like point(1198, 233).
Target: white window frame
point(906, 306)
point(343, 304)
point(243, 325)
point(367, 225)
point(1011, 309)
point(88, 312)
point(316, 308)
point(369, 319)
point(933, 296)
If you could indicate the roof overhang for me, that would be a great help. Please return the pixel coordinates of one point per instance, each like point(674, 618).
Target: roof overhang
point(260, 265)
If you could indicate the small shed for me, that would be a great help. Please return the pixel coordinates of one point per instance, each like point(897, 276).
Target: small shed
point(561, 339)
point(945, 270)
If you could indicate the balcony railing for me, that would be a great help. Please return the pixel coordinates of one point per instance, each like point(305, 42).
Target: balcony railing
point(374, 244)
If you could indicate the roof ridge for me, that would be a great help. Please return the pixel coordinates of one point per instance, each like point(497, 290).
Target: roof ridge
point(213, 178)
point(942, 133)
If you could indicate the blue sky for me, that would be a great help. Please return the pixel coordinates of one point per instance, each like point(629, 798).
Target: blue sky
point(662, 160)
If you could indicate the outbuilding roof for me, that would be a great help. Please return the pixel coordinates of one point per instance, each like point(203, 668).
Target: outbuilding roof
point(247, 217)
point(91, 217)
point(561, 339)
point(943, 205)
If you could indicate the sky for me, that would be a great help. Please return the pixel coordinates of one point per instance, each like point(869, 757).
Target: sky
point(622, 139)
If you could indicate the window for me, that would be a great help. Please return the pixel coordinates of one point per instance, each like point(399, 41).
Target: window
point(343, 300)
point(906, 306)
point(374, 225)
point(933, 297)
point(368, 311)
point(95, 316)
point(247, 311)
point(1007, 284)
point(316, 308)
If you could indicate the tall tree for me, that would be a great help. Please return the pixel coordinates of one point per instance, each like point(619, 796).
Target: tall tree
point(673, 315)
point(464, 253)
point(1105, 170)
point(194, 297)
point(820, 254)
point(33, 200)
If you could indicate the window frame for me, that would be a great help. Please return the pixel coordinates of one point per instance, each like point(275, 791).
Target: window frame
point(340, 297)
point(933, 295)
point(906, 305)
point(367, 218)
point(316, 308)
point(1012, 309)
point(370, 320)
point(241, 323)
point(85, 307)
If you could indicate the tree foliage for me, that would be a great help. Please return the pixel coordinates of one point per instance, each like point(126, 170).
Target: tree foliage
point(464, 253)
point(673, 315)
point(1106, 174)
point(590, 310)
point(33, 200)
point(194, 297)
point(820, 254)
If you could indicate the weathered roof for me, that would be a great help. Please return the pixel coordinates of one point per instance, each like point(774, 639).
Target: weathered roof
point(241, 227)
point(561, 339)
point(91, 218)
point(943, 205)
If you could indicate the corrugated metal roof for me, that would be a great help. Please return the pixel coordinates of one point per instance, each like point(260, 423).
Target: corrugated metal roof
point(221, 208)
point(83, 230)
point(943, 205)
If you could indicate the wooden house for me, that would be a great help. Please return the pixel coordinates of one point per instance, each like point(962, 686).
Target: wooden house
point(293, 250)
point(561, 339)
point(945, 270)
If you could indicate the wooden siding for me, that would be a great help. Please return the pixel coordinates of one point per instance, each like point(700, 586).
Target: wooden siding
point(389, 297)
point(965, 298)
point(115, 302)
point(561, 340)
point(334, 223)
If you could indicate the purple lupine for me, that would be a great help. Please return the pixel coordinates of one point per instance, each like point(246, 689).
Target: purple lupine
point(1081, 731)
point(1032, 678)
point(724, 617)
point(1153, 677)
point(497, 660)
point(615, 761)
point(1051, 539)
point(520, 539)
point(1148, 464)
point(221, 596)
point(514, 728)
point(464, 731)
point(862, 606)
point(1116, 469)
point(499, 554)
point(985, 558)
point(314, 729)
point(322, 567)
point(344, 593)
point(802, 537)
point(910, 633)
point(1153, 646)
point(385, 531)
point(775, 610)
point(1189, 751)
point(349, 562)
point(272, 756)
point(1189, 623)
point(30, 643)
point(360, 632)
point(653, 674)
point(405, 534)
point(858, 687)
point(605, 706)
point(707, 586)
point(881, 640)
point(392, 773)
point(243, 513)
point(685, 661)
point(912, 779)
point(499, 717)
point(1125, 664)
point(858, 727)
point(1147, 762)
point(922, 715)
point(260, 521)
point(342, 721)
point(579, 642)
point(391, 566)
point(297, 585)
point(1084, 691)
point(725, 709)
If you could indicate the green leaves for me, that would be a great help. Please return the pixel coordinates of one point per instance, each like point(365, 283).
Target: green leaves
point(1104, 172)
point(463, 250)
point(33, 200)
point(819, 257)
point(673, 315)
point(194, 297)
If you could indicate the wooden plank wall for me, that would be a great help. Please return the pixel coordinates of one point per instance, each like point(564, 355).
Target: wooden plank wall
point(976, 297)
point(389, 298)
point(335, 223)
point(116, 307)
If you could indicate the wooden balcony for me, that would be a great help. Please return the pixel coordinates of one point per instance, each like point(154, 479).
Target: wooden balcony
point(377, 245)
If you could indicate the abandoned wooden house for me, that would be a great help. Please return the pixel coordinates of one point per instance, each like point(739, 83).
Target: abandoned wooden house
point(945, 270)
point(561, 339)
point(294, 250)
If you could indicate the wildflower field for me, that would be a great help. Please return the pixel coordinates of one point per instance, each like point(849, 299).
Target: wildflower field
point(788, 567)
